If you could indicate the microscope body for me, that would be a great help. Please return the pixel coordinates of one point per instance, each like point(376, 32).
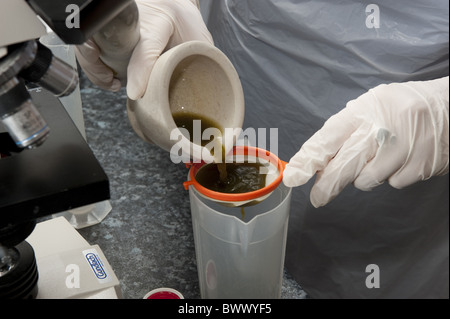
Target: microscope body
point(34, 161)
point(23, 59)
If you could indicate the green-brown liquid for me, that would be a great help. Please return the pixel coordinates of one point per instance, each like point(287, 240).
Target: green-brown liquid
point(222, 177)
point(241, 178)
point(186, 120)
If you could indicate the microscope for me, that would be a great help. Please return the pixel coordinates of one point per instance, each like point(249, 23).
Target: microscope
point(46, 166)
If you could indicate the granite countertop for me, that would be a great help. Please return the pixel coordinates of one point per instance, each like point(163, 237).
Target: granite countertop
point(147, 237)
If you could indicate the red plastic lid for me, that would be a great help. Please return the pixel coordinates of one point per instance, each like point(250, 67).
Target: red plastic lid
point(164, 293)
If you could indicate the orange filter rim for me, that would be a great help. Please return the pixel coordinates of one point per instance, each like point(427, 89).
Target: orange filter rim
point(227, 197)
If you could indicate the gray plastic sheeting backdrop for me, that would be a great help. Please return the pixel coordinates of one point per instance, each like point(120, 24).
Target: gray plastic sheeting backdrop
point(300, 62)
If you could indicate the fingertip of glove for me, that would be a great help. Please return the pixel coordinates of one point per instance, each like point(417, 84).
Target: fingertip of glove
point(366, 183)
point(317, 204)
point(134, 93)
point(318, 199)
point(293, 177)
point(288, 181)
point(115, 86)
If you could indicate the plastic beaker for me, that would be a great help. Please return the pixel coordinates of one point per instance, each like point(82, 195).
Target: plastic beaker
point(240, 250)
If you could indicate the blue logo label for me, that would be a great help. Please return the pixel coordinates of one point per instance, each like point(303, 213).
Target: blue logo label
point(96, 266)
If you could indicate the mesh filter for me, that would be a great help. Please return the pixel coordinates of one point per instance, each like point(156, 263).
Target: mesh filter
point(272, 165)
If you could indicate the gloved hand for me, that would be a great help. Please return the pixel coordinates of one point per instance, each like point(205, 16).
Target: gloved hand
point(163, 25)
point(397, 133)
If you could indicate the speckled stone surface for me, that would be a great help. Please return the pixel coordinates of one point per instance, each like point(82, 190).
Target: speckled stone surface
point(147, 237)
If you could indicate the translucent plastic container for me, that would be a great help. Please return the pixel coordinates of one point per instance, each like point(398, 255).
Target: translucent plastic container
point(240, 250)
point(72, 103)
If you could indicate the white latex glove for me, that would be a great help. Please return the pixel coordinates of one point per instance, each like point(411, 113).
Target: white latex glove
point(397, 133)
point(88, 56)
point(163, 25)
